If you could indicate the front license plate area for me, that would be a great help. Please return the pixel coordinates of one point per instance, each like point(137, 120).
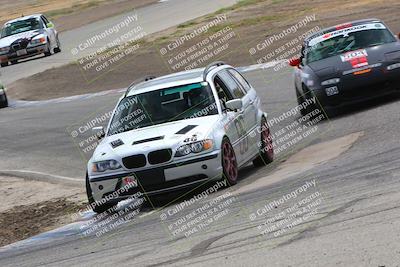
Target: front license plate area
point(330, 91)
point(22, 52)
point(130, 181)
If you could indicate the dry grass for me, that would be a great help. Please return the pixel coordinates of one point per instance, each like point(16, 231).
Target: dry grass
point(15, 8)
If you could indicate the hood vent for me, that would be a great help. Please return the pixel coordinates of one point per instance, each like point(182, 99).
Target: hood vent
point(186, 129)
point(116, 143)
point(148, 140)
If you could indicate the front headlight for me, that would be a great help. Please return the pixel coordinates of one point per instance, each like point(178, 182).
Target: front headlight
point(106, 165)
point(195, 148)
point(4, 50)
point(40, 40)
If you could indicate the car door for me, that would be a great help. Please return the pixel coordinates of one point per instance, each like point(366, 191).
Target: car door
point(251, 105)
point(241, 120)
point(51, 33)
point(232, 119)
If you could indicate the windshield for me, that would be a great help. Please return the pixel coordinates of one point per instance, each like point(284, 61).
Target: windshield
point(20, 26)
point(348, 42)
point(161, 106)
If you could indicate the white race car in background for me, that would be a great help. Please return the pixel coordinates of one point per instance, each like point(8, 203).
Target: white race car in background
point(26, 37)
point(176, 132)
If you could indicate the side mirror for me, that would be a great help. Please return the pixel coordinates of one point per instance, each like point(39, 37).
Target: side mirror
point(294, 62)
point(234, 104)
point(99, 131)
point(50, 25)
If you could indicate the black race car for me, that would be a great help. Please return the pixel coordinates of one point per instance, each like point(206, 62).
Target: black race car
point(348, 63)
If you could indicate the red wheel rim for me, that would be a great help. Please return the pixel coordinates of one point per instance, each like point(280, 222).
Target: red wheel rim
point(230, 164)
point(267, 141)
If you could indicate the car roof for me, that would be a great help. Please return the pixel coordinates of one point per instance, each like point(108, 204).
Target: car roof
point(24, 18)
point(336, 27)
point(167, 81)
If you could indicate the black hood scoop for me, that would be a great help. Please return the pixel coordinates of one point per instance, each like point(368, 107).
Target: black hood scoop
point(186, 129)
point(148, 140)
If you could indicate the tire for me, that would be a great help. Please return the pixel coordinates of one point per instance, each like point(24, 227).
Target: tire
point(266, 150)
point(58, 48)
point(329, 111)
point(13, 62)
point(47, 53)
point(300, 101)
point(96, 208)
point(229, 162)
point(4, 104)
point(3, 65)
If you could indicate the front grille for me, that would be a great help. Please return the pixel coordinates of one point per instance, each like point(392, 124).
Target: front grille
point(16, 47)
point(134, 161)
point(20, 44)
point(159, 156)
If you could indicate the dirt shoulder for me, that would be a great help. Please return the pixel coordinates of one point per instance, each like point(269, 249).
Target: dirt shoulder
point(70, 14)
point(248, 24)
point(31, 207)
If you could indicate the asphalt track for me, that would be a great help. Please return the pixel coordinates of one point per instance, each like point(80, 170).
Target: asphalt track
point(356, 223)
point(151, 19)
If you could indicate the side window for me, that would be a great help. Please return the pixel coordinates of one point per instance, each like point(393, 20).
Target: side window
point(234, 88)
point(45, 21)
point(222, 89)
point(239, 78)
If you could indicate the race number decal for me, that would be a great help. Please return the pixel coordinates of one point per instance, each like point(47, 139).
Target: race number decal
point(244, 144)
point(357, 59)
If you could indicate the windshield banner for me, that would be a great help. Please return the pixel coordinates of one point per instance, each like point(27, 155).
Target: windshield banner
point(346, 31)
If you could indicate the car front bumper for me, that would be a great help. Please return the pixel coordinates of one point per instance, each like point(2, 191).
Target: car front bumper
point(359, 89)
point(30, 52)
point(167, 178)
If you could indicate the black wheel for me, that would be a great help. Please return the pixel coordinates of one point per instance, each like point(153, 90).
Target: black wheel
point(96, 207)
point(229, 162)
point(4, 104)
point(300, 101)
point(266, 149)
point(48, 49)
point(3, 65)
point(58, 48)
point(14, 62)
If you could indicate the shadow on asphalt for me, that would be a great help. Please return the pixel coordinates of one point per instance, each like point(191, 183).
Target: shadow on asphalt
point(353, 109)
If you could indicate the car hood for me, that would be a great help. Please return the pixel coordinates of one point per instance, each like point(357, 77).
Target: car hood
point(336, 66)
point(144, 140)
point(6, 41)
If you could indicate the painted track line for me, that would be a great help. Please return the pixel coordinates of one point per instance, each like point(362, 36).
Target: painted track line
point(42, 177)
